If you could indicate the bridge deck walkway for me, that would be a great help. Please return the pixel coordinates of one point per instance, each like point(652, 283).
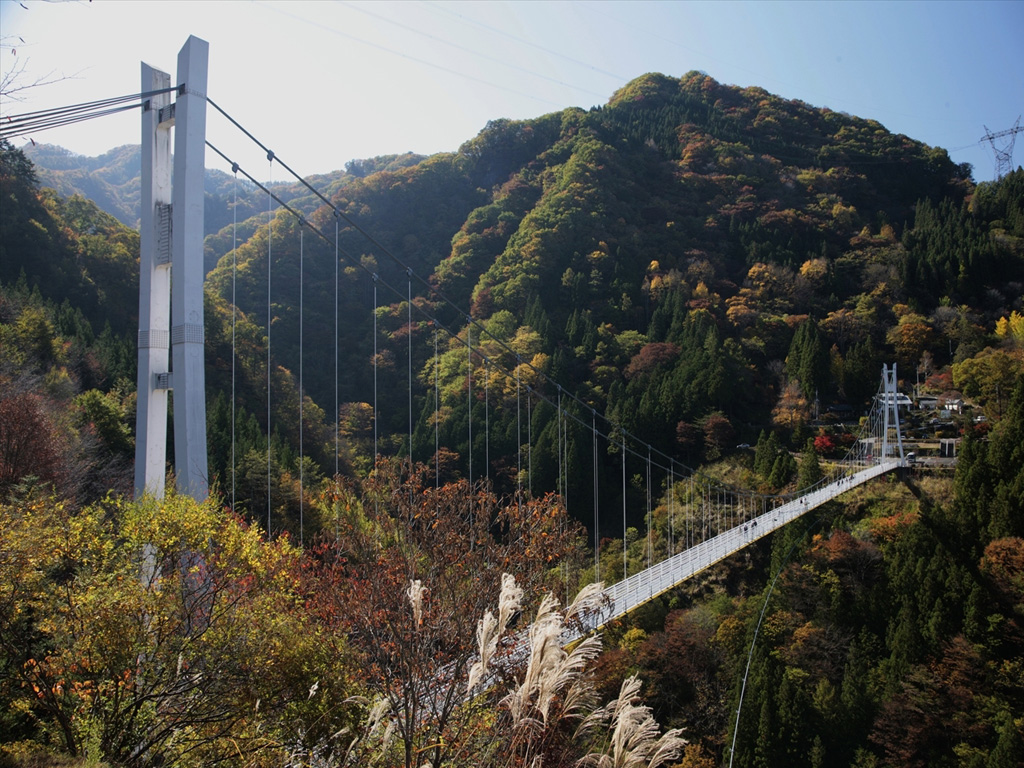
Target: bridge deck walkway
point(641, 587)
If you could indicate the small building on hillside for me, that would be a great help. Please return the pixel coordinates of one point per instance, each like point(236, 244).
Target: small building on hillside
point(948, 446)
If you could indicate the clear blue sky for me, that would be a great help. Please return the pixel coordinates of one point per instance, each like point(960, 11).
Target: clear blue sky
point(324, 82)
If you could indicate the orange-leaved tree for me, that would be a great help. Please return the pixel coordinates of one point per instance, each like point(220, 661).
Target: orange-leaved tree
point(403, 579)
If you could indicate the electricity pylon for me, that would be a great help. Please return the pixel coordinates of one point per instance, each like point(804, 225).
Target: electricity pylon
point(1004, 156)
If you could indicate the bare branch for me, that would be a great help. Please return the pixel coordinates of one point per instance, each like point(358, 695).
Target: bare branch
point(13, 82)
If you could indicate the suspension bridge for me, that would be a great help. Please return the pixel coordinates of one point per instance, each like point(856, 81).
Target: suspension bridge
point(707, 520)
point(637, 589)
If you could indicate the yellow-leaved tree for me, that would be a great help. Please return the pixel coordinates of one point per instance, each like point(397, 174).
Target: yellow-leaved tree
point(1011, 328)
point(160, 632)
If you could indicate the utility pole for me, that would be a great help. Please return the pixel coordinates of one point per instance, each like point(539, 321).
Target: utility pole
point(172, 240)
point(1004, 155)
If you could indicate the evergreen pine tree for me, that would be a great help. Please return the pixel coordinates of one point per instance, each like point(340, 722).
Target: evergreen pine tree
point(808, 360)
point(1010, 746)
point(810, 467)
point(765, 454)
point(782, 470)
point(1006, 455)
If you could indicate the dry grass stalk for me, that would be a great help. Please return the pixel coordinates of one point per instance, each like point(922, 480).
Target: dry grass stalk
point(634, 739)
point(490, 629)
point(415, 594)
point(550, 669)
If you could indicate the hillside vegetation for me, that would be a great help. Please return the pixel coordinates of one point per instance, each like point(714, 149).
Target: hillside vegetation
point(706, 266)
point(688, 252)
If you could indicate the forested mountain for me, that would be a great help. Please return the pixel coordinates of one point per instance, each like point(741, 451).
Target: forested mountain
point(656, 258)
point(705, 265)
point(694, 260)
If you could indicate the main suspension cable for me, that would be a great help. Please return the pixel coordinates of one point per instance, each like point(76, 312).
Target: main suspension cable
point(378, 279)
point(45, 119)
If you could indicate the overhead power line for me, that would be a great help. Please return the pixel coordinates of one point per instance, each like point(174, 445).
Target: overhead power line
point(505, 33)
point(450, 70)
point(486, 57)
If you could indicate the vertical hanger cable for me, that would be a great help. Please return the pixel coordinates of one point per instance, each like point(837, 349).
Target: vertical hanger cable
point(337, 430)
point(625, 572)
point(302, 391)
point(565, 461)
point(671, 510)
point(529, 441)
point(487, 421)
point(650, 516)
point(409, 307)
point(558, 443)
point(437, 420)
point(519, 439)
point(469, 392)
point(374, 372)
point(234, 314)
point(270, 265)
point(597, 536)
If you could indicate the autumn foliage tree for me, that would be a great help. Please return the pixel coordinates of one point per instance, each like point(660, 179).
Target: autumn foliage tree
point(29, 441)
point(155, 633)
point(404, 577)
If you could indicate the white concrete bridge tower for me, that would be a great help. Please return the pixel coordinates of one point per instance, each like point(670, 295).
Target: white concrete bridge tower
point(171, 321)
